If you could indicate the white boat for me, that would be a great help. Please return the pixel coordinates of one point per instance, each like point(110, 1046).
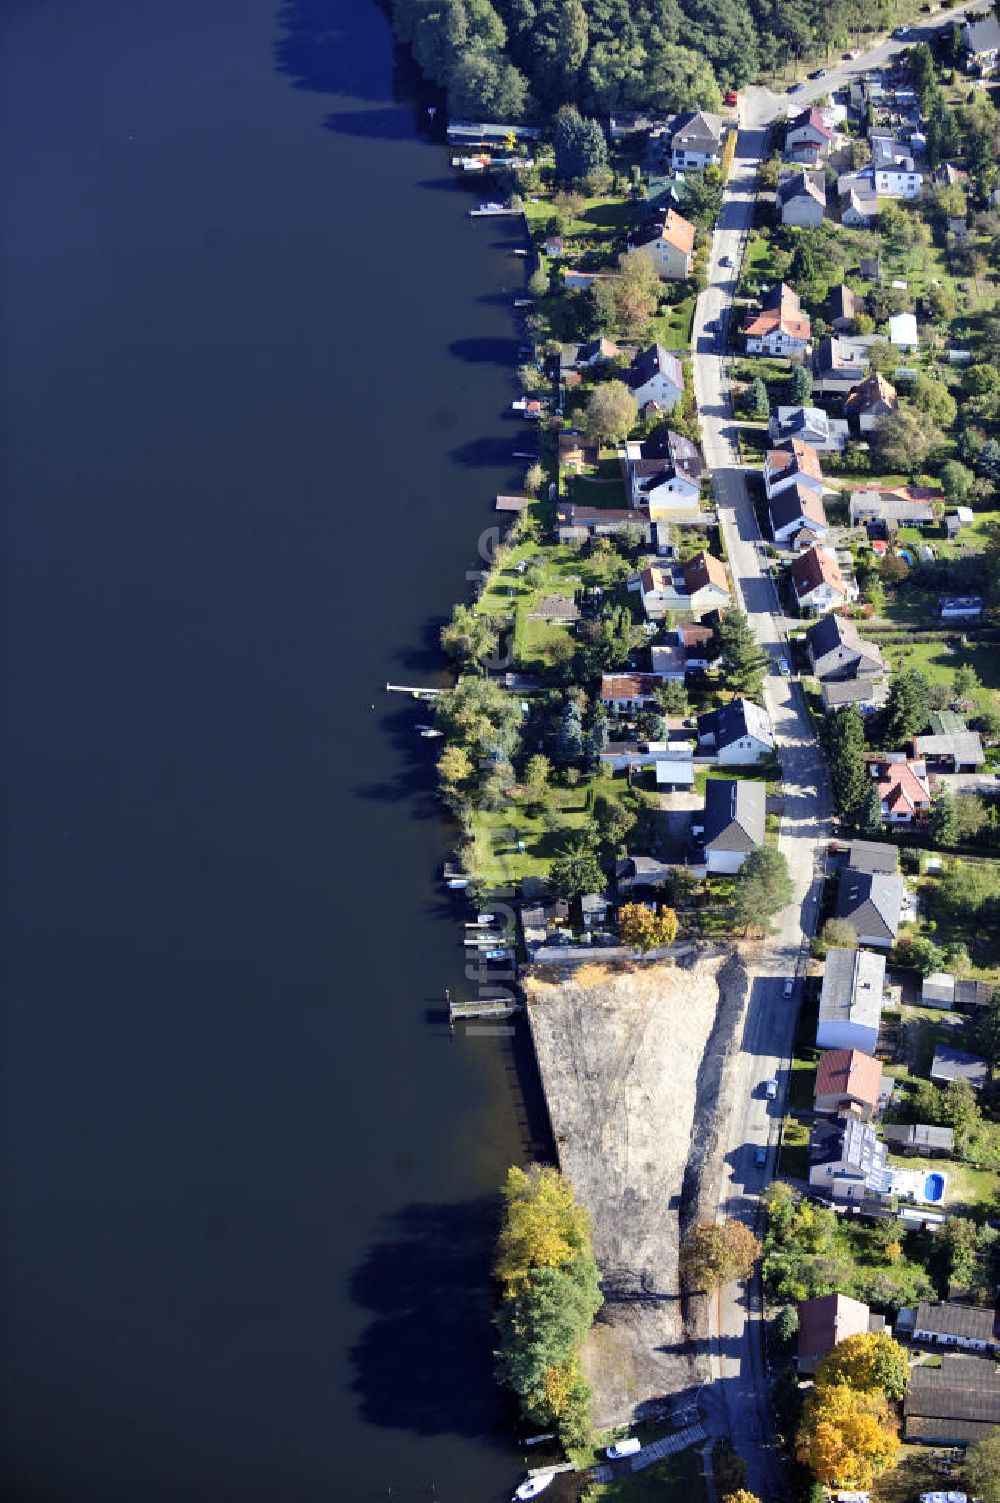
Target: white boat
point(428, 732)
point(532, 1486)
point(486, 918)
point(457, 883)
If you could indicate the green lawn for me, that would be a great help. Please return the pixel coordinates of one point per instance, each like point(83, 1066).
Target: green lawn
point(593, 491)
point(678, 1479)
point(966, 1188)
point(497, 833)
point(802, 1084)
point(793, 1162)
point(673, 328)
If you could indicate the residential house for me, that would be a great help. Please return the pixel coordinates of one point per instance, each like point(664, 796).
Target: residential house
point(972, 996)
point(595, 352)
point(981, 41)
point(629, 691)
point(858, 200)
point(955, 1064)
point(706, 583)
point(920, 1140)
point(956, 1404)
point(674, 770)
point(668, 244)
point(839, 364)
point(810, 424)
point(696, 142)
point(872, 903)
point(656, 376)
point(667, 661)
point(960, 751)
point(818, 582)
point(579, 524)
point(848, 1080)
point(903, 331)
point(836, 651)
point(844, 306)
point(780, 327)
point(791, 462)
point(698, 642)
point(847, 1159)
point(733, 822)
point(663, 474)
point(802, 199)
point(594, 909)
point(903, 790)
point(969, 1327)
point(797, 516)
point(808, 138)
point(895, 172)
point(890, 507)
point(850, 1004)
point(736, 735)
point(824, 1323)
point(644, 873)
point(872, 856)
point(874, 398)
point(575, 452)
point(871, 269)
point(867, 694)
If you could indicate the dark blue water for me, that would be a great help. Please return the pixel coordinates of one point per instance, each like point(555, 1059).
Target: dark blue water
point(253, 360)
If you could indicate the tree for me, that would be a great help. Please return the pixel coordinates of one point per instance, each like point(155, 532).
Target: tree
point(536, 780)
point(455, 769)
point(802, 385)
point(906, 438)
point(869, 1361)
point(786, 1324)
point(534, 479)
point(672, 698)
point(763, 888)
point(869, 813)
point(957, 481)
point(755, 401)
point(576, 869)
point(569, 742)
point(626, 300)
point(847, 1437)
point(613, 819)
point(644, 930)
point(934, 398)
point(960, 1109)
point(487, 85)
point(845, 747)
point(941, 822)
point(741, 659)
point(982, 1468)
point(469, 637)
point(579, 145)
point(988, 1031)
point(716, 1253)
point(741, 1496)
point(907, 706)
point(611, 413)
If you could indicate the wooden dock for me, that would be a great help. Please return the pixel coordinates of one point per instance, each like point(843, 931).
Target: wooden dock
point(413, 689)
point(486, 1007)
point(513, 503)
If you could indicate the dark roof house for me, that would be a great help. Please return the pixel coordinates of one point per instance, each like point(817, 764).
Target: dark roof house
point(872, 903)
point(837, 651)
point(957, 1403)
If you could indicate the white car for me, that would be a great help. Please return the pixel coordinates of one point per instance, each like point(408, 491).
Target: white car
point(627, 1447)
point(789, 985)
point(771, 1090)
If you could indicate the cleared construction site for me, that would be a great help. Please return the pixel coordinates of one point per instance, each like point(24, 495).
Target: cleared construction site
point(634, 1060)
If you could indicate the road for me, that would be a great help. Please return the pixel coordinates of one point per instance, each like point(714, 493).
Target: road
point(737, 1402)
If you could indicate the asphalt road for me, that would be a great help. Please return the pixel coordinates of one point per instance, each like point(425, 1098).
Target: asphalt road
point(737, 1403)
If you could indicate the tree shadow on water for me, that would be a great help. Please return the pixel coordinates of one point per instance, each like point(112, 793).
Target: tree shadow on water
point(424, 1362)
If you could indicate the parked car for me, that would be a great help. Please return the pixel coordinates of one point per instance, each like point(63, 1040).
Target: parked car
point(771, 1089)
point(819, 73)
point(789, 985)
point(760, 1157)
point(627, 1447)
point(795, 88)
point(725, 260)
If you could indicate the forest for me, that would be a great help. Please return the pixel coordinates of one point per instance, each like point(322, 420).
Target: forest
point(523, 59)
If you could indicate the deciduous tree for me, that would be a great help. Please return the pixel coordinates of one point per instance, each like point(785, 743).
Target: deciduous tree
point(611, 413)
point(847, 1437)
point(868, 1361)
point(576, 869)
point(643, 929)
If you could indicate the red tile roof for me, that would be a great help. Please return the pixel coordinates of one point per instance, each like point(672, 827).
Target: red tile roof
point(848, 1072)
point(703, 570)
point(901, 788)
point(815, 568)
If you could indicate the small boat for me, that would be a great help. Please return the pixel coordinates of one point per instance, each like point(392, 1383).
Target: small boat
point(428, 732)
point(532, 1486)
point(497, 954)
point(486, 918)
point(457, 883)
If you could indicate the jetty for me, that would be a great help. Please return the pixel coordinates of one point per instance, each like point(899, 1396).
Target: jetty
point(494, 211)
point(414, 690)
point(486, 1007)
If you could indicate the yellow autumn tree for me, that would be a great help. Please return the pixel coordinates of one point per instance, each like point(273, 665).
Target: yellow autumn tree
point(847, 1437)
point(643, 929)
point(543, 1228)
point(741, 1496)
point(868, 1361)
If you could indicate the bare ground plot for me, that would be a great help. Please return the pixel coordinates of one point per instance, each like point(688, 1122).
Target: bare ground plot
point(632, 1064)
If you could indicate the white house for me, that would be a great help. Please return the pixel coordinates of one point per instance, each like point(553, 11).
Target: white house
point(808, 138)
point(656, 376)
point(696, 142)
point(810, 424)
point(971, 1328)
point(663, 473)
point(733, 822)
point(858, 199)
point(850, 1004)
point(736, 735)
point(797, 516)
point(894, 170)
point(802, 199)
point(873, 399)
point(780, 328)
point(981, 39)
point(818, 582)
point(792, 462)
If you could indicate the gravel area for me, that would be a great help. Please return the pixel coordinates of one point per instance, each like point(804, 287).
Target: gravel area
point(632, 1059)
